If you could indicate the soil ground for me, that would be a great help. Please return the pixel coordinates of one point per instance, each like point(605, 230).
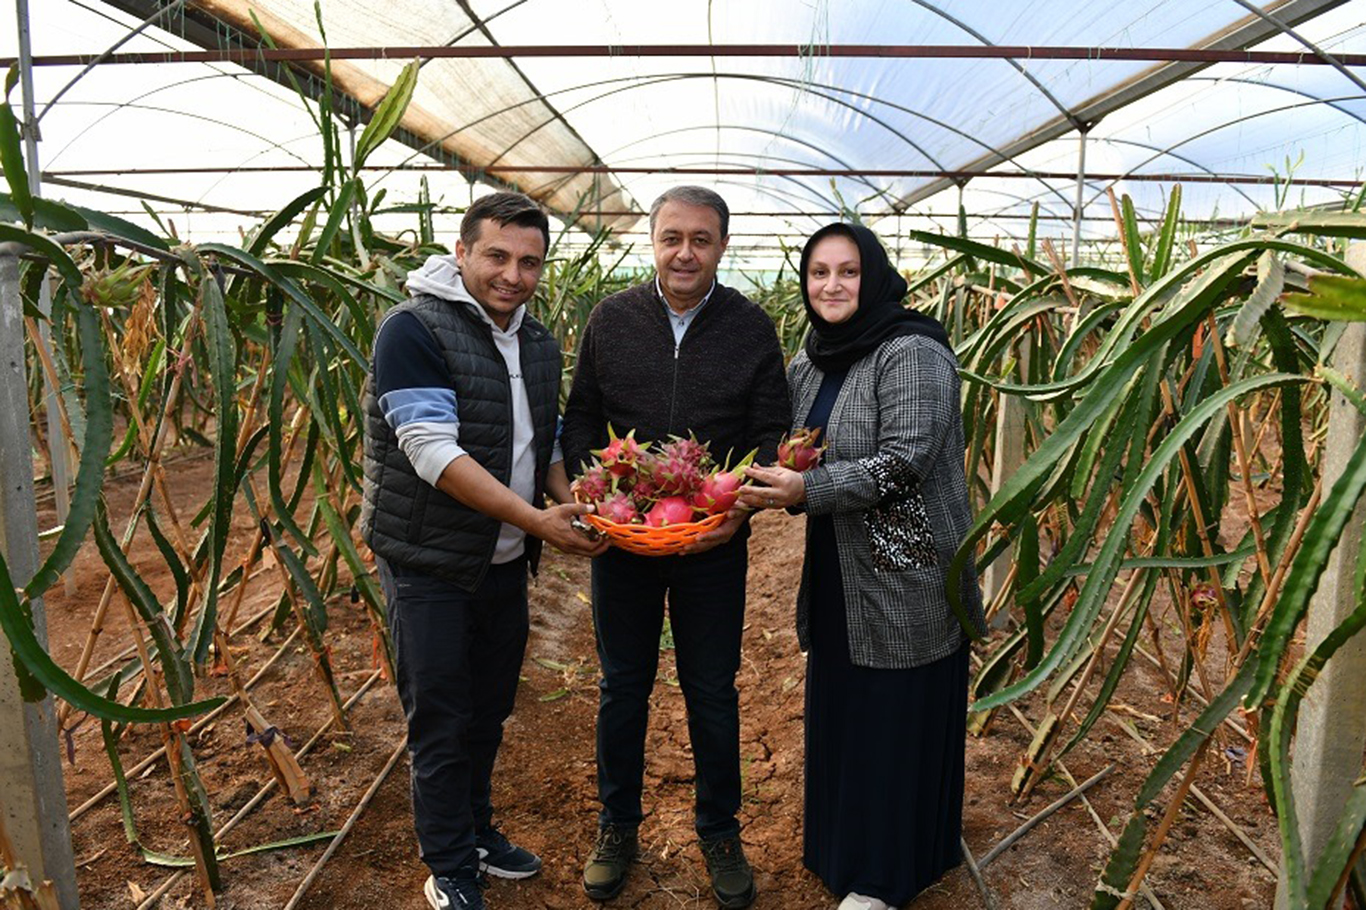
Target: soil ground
point(544, 784)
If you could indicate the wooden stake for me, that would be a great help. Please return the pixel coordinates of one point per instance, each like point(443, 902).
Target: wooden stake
point(1173, 809)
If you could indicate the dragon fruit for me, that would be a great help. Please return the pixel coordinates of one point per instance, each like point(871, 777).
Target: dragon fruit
point(799, 451)
point(593, 486)
point(621, 454)
point(719, 491)
point(620, 508)
point(676, 475)
point(670, 510)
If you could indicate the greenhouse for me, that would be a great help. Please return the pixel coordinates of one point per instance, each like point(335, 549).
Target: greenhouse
point(1126, 244)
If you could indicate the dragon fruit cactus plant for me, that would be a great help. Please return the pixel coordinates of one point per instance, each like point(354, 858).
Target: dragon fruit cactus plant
point(799, 451)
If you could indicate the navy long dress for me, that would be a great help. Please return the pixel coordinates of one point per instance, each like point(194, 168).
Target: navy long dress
point(884, 748)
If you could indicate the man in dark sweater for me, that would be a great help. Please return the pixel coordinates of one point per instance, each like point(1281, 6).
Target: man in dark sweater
point(680, 354)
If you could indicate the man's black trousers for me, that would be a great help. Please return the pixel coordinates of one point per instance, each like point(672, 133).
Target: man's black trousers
point(459, 655)
point(706, 599)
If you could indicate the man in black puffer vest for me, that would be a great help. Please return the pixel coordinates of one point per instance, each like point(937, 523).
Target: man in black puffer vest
point(460, 451)
point(680, 354)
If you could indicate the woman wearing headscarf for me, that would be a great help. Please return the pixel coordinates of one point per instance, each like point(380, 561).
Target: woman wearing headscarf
point(887, 660)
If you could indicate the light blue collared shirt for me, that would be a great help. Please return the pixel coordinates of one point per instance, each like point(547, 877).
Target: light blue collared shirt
point(681, 321)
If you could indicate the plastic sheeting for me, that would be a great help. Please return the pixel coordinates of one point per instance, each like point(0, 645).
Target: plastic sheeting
point(811, 110)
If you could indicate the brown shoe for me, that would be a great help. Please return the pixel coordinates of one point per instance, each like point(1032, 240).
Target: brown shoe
point(605, 873)
point(732, 880)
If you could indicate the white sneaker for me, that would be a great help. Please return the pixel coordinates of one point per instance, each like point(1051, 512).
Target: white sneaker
point(854, 901)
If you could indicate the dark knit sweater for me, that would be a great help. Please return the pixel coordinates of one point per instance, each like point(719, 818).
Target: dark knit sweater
point(727, 384)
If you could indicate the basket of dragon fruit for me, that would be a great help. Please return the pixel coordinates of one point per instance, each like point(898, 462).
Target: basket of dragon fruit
point(657, 502)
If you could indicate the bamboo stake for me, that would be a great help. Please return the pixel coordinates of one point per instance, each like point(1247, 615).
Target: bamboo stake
point(1201, 528)
point(1049, 810)
point(259, 538)
point(1061, 269)
point(50, 373)
point(1273, 590)
point(350, 823)
point(1180, 600)
point(144, 488)
point(1104, 829)
point(976, 872)
point(131, 651)
point(1173, 809)
point(1032, 779)
point(1123, 241)
point(155, 896)
point(198, 725)
point(205, 863)
point(1199, 794)
point(321, 664)
point(1237, 428)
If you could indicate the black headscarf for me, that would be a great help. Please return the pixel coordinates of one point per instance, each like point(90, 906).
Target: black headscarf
point(880, 313)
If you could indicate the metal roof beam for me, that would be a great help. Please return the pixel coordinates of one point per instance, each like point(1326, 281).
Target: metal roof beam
point(1220, 46)
point(1193, 57)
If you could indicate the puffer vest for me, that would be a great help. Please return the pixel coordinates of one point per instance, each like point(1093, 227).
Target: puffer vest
point(408, 521)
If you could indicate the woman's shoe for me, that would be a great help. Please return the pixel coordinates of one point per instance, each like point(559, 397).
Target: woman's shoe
point(854, 901)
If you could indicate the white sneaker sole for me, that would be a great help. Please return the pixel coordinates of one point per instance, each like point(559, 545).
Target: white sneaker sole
point(506, 873)
point(437, 900)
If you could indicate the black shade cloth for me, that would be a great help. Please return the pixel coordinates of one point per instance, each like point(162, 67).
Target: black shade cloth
point(880, 315)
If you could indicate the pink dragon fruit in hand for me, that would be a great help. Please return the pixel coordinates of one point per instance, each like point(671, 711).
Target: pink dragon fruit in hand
point(799, 452)
point(619, 509)
point(671, 510)
point(622, 453)
point(720, 490)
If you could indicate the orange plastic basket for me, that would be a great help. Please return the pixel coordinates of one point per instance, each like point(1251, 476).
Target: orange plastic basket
point(647, 541)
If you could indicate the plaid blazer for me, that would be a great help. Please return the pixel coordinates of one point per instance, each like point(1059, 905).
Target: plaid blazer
point(892, 477)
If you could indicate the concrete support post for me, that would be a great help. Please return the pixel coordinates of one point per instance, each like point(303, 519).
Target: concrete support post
point(1005, 461)
point(1331, 736)
point(32, 795)
point(57, 448)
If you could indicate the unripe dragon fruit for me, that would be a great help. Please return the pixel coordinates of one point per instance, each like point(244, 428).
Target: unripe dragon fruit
point(593, 486)
point(670, 510)
point(799, 450)
point(622, 453)
point(620, 509)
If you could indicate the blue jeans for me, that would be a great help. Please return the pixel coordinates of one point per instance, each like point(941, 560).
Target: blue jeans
point(459, 656)
point(706, 600)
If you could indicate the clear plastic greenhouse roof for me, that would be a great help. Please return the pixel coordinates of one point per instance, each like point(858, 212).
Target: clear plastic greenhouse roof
point(789, 139)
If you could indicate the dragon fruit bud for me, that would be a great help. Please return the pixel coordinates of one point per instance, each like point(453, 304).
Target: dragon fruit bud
point(620, 509)
point(670, 510)
point(799, 451)
point(592, 486)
